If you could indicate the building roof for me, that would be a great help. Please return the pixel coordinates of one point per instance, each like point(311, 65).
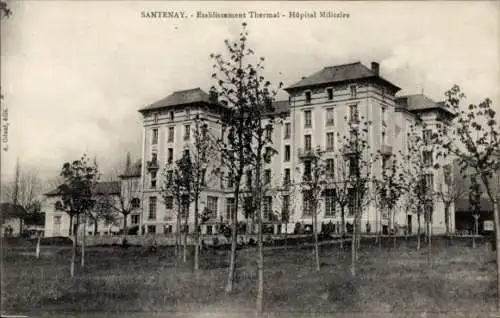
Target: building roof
point(11, 210)
point(337, 74)
point(105, 187)
point(279, 107)
point(420, 102)
point(189, 96)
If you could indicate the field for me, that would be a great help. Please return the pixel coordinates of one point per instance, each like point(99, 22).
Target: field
point(390, 282)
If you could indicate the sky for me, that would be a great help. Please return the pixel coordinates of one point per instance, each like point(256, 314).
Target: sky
point(74, 73)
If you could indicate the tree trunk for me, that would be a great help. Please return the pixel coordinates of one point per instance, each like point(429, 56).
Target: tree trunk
point(38, 247)
point(73, 252)
point(342, 226)
point(196, 236)
point(429, 234)
point(418, 231)
point(497, 249)
point(96, 226)
point(125, 227)
point(234, 238)
point(447, 218)
point(83, 240)
point(353, 248)
point(186, 231)
point(315, 233)
point(260, 262)
point(71, 224)
point(178, 233)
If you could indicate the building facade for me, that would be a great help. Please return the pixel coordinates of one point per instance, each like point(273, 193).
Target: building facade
point(316, 115)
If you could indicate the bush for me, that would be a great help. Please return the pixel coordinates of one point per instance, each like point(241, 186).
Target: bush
point(56, 240)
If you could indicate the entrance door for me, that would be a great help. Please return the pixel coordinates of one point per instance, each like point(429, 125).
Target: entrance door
point(409, 223)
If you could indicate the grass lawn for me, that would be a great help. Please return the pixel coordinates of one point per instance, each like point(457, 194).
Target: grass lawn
point(395, 282)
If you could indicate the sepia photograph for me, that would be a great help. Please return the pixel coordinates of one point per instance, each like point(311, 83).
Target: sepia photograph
point(249, 158)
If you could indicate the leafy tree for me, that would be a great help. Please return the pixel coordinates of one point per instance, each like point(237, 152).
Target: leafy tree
point(244, 142)
point(414, 173)
point(4, 9)
point(452, 190)
point(356, 150)
point(79, 178)
point(388, 187)
point(312, 187)
point(472, 136)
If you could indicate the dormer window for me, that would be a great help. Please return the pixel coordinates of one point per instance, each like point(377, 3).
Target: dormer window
point(308, 97)
point(353, 90)
point(155, 118)
point(171, 115)
point(329, 92)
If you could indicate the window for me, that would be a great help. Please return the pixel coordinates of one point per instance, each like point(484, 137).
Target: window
point(155, 118)
point(289, 100)
point(155, 136)
point(269, 132)
point(427, 136)
point(330, 168)
point(306, 203)
point(154, 157)
point(59, 206)
point(285, 208)
point(330, 202)
point(249, 178)
point(329, 116)
point(188, 113)
point(330, 141)
point(230, 180)
point(212, 204)
point(57, 220)
point(171, 115)
point(329, 92)
point(429, 182)
point(268, 153)
point(185, 206)
point(353, 113)
point(287, 153)
point(267, 207)
point(353, 90)
point(307, 142)
point(153, 179)
point(351, 194)
point(171, 134)
point(229, 208)
point(203, 173)
point(427, 157)
point(135, 203)
point(286, 176)
point(186, 153)
point(248, 207)
point(170, 156)
point(152, 208)
point(209, 230)
point(385, 161)
point(167, 229)
point(267, 176)
point(308, 97)
point(288, 130)
point(134, 219)
point(151, 229)
point(307, 119)
point(170, 177)
point(169, 203)
point(307, 170)
point(353, 166)
point(187, 132)
point(384, 136)
point(383, 117)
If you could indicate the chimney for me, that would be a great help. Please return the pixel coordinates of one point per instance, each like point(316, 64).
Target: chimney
point(376, 68)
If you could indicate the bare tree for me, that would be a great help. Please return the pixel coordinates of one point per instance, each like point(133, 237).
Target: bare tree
point(244, 142)
point(312, 187)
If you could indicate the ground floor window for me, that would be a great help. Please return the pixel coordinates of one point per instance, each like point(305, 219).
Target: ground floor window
point(167, 229)
point(152, 229)
point(135, 219)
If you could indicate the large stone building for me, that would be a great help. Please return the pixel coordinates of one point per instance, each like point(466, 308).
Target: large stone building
point(317, 112)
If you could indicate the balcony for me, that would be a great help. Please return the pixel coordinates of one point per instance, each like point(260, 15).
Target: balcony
point(152, 165)
point(309, 152)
